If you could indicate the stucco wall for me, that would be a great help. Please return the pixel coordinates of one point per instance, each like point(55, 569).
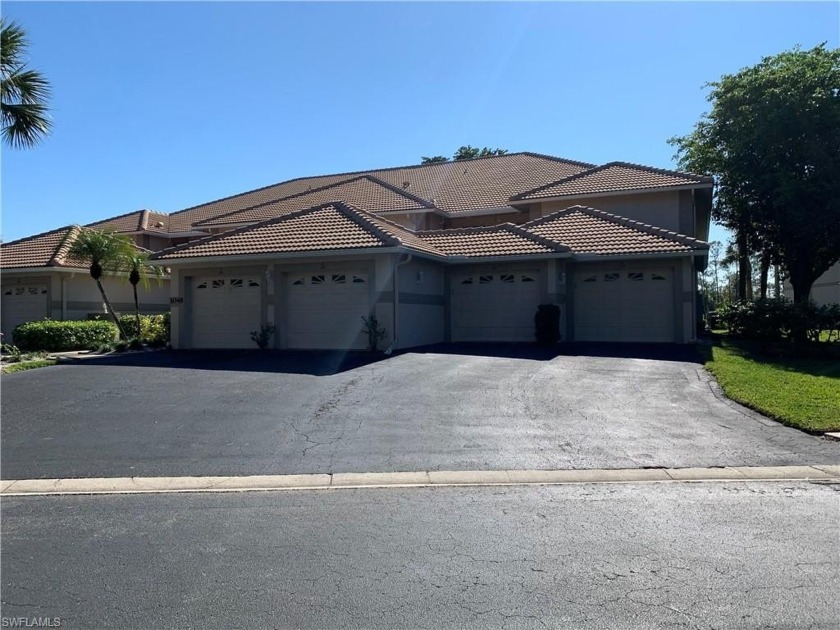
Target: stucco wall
point(421, 311)
point(825, 290)
point(666, 209)
point(487, 219)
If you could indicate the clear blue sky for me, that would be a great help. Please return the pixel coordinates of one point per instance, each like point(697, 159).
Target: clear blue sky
point(167, 105)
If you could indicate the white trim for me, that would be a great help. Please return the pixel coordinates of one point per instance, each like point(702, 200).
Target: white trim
point(588, 258)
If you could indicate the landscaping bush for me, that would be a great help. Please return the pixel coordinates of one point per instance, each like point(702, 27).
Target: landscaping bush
point(154, 329)
point(53, 336)
point(779, 319)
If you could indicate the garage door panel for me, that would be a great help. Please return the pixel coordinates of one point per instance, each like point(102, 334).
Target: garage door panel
point(626, 304)
point(225, 311)
point(494, 306)
point(21, 304)
point(325, 310)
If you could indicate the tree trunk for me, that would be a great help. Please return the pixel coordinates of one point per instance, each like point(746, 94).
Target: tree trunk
point(802, 281)
point(137, 312)
point(765, 273)
point(777, 280)
point(744, 274)
point(110, 309)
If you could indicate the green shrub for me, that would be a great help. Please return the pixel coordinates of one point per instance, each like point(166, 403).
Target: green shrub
point(779, 319)
point(53, 336)
point(154, 329)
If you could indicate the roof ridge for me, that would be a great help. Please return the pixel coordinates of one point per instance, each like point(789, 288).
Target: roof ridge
point(371, 178)
point(351, 174)
point(563, 180)
point(119, 216)
point(34, 236)
point(462, 230)
point(662, 171)
point(557, 246)
point(62, 250)
point(360, 218)
point(645, 228)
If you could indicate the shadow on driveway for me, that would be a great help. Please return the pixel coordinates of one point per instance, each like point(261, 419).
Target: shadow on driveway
point(330, 362)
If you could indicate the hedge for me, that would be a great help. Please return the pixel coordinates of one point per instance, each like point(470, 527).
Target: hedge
point(53, 336)
point(154, 329)
point(778, 319)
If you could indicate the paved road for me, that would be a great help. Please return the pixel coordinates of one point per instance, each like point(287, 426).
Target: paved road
point(443, 409)
point(711, 555)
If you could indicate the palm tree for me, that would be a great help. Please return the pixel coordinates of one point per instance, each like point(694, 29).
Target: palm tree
point(102, 250)
point(23, 93)
point(139, 270)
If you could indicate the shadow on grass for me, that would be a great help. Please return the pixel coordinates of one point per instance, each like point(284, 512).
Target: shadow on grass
point(757, 352)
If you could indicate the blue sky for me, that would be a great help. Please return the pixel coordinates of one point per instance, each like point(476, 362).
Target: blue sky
point(167, 105)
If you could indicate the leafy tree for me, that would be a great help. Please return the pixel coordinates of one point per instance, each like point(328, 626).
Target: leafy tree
point(469, 152)
point(434, 159)
point(136, 262)
point(772, 141)
point(103, 250)
point(24, 93)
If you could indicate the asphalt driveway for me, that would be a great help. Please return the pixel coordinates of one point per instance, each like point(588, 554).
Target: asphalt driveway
point(444, 408)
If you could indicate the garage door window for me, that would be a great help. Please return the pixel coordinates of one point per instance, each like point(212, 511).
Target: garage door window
point(635, 276)
point(611, 277)
point(527, 279)
point(591, 279)
point(467, 281)
point(485, 279)
point(359, 279)
point(657, 277)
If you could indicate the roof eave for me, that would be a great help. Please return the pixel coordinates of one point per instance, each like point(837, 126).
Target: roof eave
point(246, 258)
point(636, 255)
point(460, 260)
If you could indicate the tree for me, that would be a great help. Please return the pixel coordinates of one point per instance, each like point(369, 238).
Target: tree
point(24, 93)
point(103, 251)
point(136, 262)
point(434, 159)
point(772, 141)
point(469, 152)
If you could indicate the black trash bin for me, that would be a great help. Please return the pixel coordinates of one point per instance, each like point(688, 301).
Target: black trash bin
point(547, 324)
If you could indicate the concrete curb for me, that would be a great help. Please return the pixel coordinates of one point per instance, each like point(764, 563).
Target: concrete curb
point(339, 481)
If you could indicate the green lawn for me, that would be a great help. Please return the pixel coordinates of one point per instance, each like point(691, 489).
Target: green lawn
point(11, 368)
point(803, 393)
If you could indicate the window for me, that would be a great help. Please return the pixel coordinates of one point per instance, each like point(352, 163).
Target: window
point(253, 283)
point(591, 279)
point(359, 280)
point(485, 279)
point(33, 290)
point(635, 276)
point(217, 284)
point(20, 290)
point(657, 276)
point(467, 281)
point(201, 285)
point(7, 292)
point(611, 277)
point(299, 281)
point(339, 278)
point(525, 278)
point(507, 277)
point(236, 283)
point(318, 279)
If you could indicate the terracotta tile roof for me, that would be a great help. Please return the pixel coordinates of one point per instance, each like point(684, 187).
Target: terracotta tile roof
point(332, 226)
point(451, 186)
point(505, 239)
point(613, 177)
point(137, 221)
point(366, 192)
point(591, 231)
point(42, 250)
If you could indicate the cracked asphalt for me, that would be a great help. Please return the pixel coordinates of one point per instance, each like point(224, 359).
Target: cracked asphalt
point(445, 408)
point(711, 555)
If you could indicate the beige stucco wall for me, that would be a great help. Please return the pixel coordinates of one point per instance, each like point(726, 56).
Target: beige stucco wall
point(421, 303)
point(487, 219)
point(826, 288)
point(671, 210)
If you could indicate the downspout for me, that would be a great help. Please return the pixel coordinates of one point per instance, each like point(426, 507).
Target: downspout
point(397, 265)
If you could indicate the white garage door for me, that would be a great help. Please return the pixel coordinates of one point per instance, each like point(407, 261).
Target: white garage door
point(494, 306)
point(624, 304)
point(325, 310)
point(225, 311)
point(22, 303)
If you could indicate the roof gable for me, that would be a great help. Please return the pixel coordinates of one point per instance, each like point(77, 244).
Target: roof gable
point(452, 186)
point(590, 231)
point(614, 177)
point(365, 191)
point(331, 226)
point(49, 249)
